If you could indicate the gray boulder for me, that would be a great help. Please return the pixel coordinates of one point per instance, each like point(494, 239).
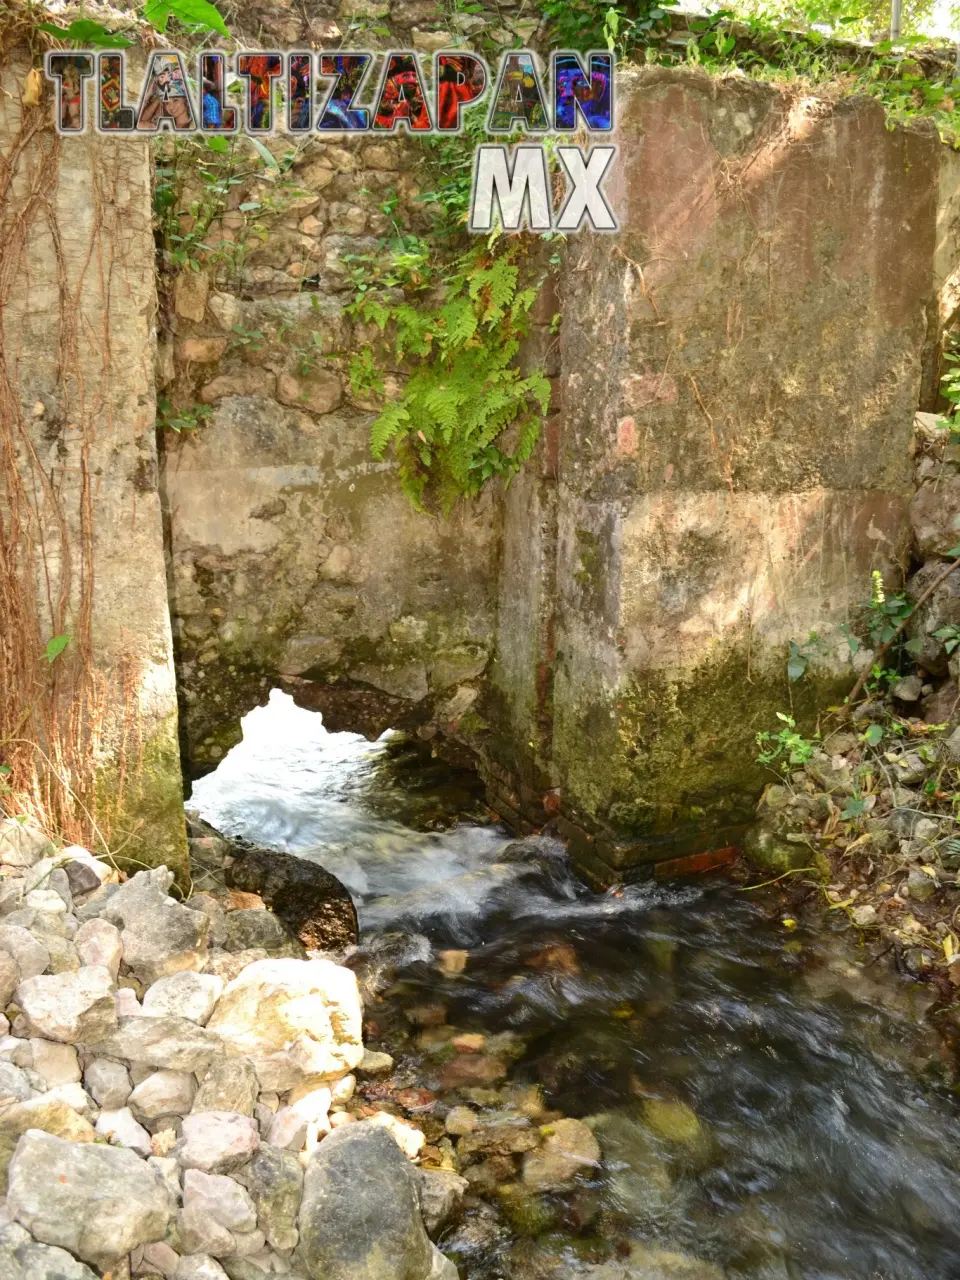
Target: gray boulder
point(311, 902)
point(160, 937)
point(21, 1258)
point(97, 1202)
point(9, 978)
point(174, 1044)
point(360, 1214)
point(72, 1008)
point(229, 1085)
point(186, 995)
point(933, 514)
point(252, 928)
point(441, 1198)
point(22, 845)
point(31, 956)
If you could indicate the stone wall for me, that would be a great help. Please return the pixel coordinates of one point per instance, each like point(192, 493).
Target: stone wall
point(726, 461)
point(295, 558)
point(77, 344)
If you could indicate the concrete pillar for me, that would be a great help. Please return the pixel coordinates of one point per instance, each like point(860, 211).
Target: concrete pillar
point(83, 544)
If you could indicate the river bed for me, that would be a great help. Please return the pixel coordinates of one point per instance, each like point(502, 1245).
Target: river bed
point(766, 1098)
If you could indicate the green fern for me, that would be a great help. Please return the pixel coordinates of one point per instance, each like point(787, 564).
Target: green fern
point(464, 393)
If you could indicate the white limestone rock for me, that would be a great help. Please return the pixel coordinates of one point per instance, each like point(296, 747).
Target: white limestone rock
point(186, 995)
point(22, 845)
point(294, 1019)
point(122, 1130)
point(98, 943)
point(56, 1062)
point(173, 1044)
point(164, 1093)
point(73, 1008)
point(21, 1258)
point(32, 956)
point(218, 1141)
point(108, 1082)
point(160, 937)
point(223, 1199)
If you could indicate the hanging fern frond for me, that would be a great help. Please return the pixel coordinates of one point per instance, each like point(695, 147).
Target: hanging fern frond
point(465, 398)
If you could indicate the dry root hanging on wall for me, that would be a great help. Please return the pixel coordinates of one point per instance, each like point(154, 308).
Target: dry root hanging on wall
point(52, 696)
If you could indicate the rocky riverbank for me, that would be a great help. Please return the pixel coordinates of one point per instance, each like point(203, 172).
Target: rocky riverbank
point(176, 1090)
point(869, 805)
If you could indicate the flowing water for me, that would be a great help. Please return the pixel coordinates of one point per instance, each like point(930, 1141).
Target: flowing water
point(765, 1099)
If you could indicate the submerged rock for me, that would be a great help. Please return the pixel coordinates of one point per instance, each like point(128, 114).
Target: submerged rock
point(360, 1216)
point(569, 1150)
point(648, 1263)
point(441, 1198)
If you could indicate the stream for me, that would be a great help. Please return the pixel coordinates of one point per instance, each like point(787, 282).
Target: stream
point(766, 1099)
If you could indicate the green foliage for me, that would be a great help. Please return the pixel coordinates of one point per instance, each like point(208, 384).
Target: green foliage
point(781, 41)
point(55, 647)
point(199, 14)
point(195, 15)
point(88, 34)
point(950, 390)
point(193, 179)
point(183, 421)
point(785, 748)
point(882, 614)
point(949, 636)
point(854, 808)
point(801, 655)
point(465, 412)
point(596, 24)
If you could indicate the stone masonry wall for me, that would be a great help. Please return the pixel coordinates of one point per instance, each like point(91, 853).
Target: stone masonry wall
point(295, 557)
point(726, 462)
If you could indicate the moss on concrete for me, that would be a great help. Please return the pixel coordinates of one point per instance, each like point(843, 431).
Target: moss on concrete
point(142, 812)
point(680, 750)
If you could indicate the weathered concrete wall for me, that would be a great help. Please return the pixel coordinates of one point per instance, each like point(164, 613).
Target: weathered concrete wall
point(78, 337)
point(740, 368)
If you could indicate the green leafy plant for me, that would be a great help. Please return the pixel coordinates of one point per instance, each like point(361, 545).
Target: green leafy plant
point(786, 747)
point(191, 13)
point(801, 655)
point(463, 394)
point(87, 33)
point(55, 647)
point(195, 15)
point(883, 613)
point(949, 636)
point(596, 24)
point(183, 421)
point(855, 807)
